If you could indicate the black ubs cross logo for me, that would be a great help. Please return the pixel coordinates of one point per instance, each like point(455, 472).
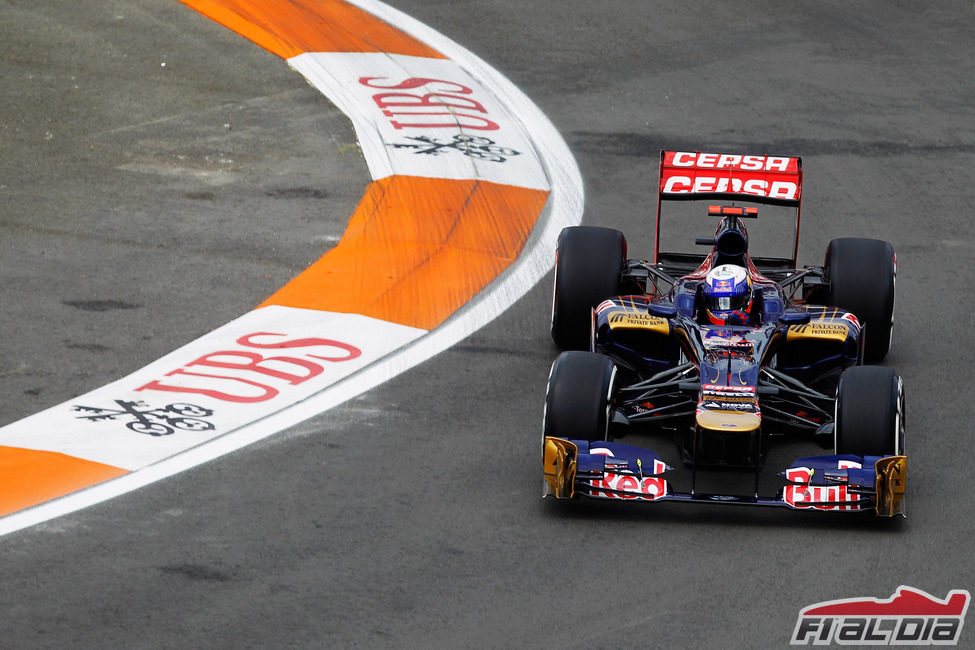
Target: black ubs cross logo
point(469, 145)
point(152, 421)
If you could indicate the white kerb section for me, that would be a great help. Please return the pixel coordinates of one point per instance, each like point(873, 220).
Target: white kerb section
point(263, 362)
point(425, 117)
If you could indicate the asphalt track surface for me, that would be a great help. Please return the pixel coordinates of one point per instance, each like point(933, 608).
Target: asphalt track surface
point(160, 175)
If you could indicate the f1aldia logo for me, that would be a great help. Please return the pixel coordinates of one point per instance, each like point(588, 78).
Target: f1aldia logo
point(151, 421)
point(909, 617)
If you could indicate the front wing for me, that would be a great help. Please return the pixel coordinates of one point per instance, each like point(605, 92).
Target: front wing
point(611, 470)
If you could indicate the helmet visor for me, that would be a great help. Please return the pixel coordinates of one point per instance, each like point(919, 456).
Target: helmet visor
point(727, 303)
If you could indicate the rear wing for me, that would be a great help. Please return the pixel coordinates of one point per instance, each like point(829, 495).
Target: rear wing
point(764, 179)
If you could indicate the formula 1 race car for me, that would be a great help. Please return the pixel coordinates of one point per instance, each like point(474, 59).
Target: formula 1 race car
point(724, 353)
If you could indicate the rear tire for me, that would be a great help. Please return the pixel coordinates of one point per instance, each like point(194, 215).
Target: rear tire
point(861, 275)
point(588, 264)
point(579, 396)
point(870, 412)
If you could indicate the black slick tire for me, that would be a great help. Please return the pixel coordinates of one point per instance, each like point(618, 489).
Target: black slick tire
point(861, 274)
point(579, 396)
point(869, 412)
point(588, 264)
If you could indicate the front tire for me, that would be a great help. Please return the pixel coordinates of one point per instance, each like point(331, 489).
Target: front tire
point(588, 264)
point(861, 274)
point(870, 412)
point(578, 399)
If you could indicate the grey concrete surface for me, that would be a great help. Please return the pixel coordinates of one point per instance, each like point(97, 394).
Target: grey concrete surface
point(410, 516)
point(159, 176)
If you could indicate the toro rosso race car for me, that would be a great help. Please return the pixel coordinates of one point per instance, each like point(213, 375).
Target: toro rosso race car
point(723, 354)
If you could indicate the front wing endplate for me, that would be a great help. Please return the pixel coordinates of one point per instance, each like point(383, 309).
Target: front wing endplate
point(559, 467)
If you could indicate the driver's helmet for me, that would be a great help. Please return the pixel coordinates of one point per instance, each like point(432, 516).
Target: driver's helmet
point(727, 295)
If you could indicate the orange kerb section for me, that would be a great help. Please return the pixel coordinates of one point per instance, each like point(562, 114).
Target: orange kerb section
point(29, 477)
point(291, 27)
point(417, 249)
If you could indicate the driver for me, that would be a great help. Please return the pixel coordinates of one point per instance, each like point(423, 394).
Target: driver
point(727, 293)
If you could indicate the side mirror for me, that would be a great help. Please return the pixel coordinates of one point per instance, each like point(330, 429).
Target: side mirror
point(795, 317)
point(663, 310)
